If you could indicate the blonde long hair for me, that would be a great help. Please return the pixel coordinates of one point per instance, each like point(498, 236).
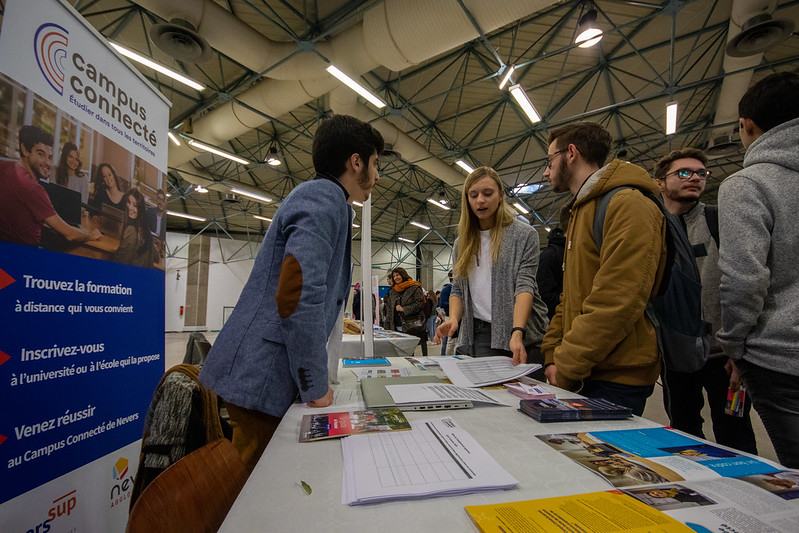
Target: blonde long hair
point(469, 224)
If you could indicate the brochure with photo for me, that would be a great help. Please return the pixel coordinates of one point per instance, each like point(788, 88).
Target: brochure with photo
point(320, 426)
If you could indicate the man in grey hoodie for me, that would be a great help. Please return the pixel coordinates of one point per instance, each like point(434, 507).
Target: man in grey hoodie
point(759, 287)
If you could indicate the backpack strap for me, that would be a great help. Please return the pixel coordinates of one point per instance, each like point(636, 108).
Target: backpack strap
point(712, 218)
point(601, 210)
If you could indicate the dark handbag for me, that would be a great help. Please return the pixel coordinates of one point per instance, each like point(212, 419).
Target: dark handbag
point(415, 326)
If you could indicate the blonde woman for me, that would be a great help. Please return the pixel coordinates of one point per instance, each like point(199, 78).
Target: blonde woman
point(494, 295)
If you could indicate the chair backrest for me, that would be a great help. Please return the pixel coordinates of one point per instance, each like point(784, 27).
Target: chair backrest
point(194, 494)
point(196, 349)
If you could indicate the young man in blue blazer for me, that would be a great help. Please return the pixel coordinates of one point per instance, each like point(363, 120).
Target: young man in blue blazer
point(272, 347)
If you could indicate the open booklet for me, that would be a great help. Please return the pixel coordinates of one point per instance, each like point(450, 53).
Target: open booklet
point(482, 371)
point(705, 485)
point(435, 458)
point(761, 504)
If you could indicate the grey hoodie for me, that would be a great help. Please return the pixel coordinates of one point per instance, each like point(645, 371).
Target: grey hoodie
point(759, 290)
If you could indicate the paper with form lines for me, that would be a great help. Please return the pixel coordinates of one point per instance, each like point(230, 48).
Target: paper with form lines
point(482, 371)
point(435, 458)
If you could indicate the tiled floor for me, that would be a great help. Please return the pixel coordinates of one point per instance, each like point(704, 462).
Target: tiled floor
point(176, 348)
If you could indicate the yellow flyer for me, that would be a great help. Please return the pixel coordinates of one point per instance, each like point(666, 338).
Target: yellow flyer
point(608, 512)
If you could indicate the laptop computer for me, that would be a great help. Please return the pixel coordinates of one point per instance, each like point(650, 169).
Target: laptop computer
point(111, 220)
point(66, 202)
point(376, 396)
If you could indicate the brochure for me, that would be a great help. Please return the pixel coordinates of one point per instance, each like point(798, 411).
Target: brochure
point(703, 486)
point(760, 503)
point(361, 373)
point(554, 410)
point(376, 361)
point(635, 457)
point(597, 511)
point(320, 426)
point(529, 392)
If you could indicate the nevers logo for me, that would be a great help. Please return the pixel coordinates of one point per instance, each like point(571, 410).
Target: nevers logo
point(120, 468)
point(50, 46)
point(123, 486)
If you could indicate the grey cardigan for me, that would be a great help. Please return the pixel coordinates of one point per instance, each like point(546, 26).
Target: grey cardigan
point(513, 273)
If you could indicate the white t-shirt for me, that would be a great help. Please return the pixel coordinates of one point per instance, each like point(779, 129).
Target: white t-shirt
point(480, 279)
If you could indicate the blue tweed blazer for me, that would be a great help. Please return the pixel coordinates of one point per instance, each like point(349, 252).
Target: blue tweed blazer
point(273, 345)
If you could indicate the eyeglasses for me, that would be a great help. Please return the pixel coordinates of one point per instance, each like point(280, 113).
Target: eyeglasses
point(550, 157)
point(686, 173)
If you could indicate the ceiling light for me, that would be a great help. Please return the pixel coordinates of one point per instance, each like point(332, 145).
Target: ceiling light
point(520, 208)
point(251, 194)
point(355, 86)
point(185, 215)
point(173, 138)
point(548, 229)
point(588, 32)
point(354, 225)
point(155, 66)
point(259, 217)
point(671, 118)
point(464, 165)
point(507, 76)
point(525, 103)
point(403, 239)
point(200, 188)
point(420, 225)
point(272, 158)
point(438, 204)
point(359, 204)
point(526, 188)
point(218, 152)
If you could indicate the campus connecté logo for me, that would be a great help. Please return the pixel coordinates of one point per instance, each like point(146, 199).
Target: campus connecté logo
point(120, 468)
point(50, 46)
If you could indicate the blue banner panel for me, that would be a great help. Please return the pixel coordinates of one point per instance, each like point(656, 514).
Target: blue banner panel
point(81, 350)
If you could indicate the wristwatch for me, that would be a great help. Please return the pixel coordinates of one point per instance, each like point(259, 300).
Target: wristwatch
point(519, 329)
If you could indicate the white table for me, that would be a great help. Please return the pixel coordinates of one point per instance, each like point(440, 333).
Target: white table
point(274, 500)
point(398, 344)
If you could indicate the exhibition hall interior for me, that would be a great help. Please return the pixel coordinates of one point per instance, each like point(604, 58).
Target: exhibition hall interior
point(451, 85)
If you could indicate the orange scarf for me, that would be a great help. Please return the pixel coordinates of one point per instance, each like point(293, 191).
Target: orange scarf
point(399, 287)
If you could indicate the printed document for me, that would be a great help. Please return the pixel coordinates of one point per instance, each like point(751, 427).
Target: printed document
point(436, 392)
point(435, 458)
point(482, 371)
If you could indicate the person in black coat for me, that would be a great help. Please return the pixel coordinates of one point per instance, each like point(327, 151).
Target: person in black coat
point(550, 270)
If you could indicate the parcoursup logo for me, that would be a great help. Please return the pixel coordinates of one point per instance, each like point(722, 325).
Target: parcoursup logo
point(120, 468)
point(50, 45)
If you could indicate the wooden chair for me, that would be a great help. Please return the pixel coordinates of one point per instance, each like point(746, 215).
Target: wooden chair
point(193, 495)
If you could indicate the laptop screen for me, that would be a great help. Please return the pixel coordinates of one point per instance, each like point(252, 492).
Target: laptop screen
point(66, 202)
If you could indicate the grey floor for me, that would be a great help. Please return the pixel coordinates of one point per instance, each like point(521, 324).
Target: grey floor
point(176, 348)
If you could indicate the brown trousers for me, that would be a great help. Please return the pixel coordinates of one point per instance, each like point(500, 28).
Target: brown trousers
point(252, 431)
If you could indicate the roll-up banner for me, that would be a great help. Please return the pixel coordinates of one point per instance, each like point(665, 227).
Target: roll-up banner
point(83, 152)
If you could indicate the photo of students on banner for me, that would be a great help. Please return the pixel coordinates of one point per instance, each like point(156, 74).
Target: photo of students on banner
point(98, 201)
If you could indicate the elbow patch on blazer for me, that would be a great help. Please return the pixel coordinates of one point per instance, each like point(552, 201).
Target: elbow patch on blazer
point(289, 287)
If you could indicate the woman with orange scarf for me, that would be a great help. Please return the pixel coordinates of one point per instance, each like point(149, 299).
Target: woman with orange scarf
point(409, 303)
